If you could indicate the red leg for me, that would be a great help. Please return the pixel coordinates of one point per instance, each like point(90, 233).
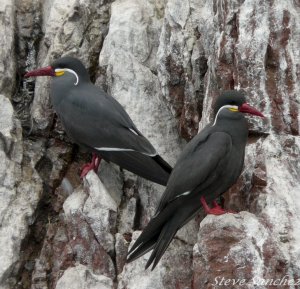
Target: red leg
point(216, 210)
point(93, 165)
point(216, 205)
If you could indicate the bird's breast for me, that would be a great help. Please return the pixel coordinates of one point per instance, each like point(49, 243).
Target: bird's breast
point(234, 166)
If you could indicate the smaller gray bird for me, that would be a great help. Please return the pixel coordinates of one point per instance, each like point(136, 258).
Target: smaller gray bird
point(207, 167)
point(97, 122)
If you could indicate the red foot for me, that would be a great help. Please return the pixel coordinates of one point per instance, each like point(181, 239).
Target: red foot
point(93, 165)
point(216, 210)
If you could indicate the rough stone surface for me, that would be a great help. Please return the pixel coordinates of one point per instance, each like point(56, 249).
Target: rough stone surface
point(121, 251)
point(7, 59)
point(80, 277)
point(165, 275)
point(236, 247)
point(75, 236)
point(20, 190)
point(100, 211)
point(128, 55)
point(165, 61)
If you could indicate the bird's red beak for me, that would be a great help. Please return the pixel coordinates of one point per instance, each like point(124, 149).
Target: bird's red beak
point(246, 108)
point(44, 71)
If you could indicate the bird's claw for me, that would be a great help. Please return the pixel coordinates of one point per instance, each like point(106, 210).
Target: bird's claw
point(85, 169)
point(216, 210)
point(93, 165)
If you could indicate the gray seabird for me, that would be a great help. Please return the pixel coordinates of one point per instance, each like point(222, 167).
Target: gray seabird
point(208, 166)
point(97, 122)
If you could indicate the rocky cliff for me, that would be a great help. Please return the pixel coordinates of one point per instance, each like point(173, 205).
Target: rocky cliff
point(165, 61)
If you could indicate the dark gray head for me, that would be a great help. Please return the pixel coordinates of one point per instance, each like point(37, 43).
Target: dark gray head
point(63, 67)
point(230, 97)
point(72, 65)
point(231, 104)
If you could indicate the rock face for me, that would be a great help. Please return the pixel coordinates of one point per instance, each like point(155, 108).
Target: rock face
point(81, 277)
point(241, 252)
point(8, 60)
point(21, 188)
point(165, 62)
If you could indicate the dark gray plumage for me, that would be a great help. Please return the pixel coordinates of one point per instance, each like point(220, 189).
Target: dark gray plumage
point(208, 166)
point(96, 121)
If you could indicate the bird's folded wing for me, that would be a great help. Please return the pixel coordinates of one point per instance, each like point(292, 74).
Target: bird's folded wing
point(103, 124)
point(201, 163)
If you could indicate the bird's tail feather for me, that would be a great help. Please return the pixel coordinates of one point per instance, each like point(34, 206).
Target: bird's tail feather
point(164, 240)
point(151, 168)
point(167, 234)
point(142, 249)
point(153, 229)
point(161, 230)
point(163, 163)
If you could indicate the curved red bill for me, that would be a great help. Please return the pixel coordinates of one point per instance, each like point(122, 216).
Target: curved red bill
point(247, 108)
point(44, 71)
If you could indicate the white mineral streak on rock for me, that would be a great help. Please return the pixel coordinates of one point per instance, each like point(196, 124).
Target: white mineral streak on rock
point(253, 244)
point(250, 53)
point(111, 178)
point(7, 123)
point(181, 64)
point(98, 208)
point(127, 217)
point(282, 198)
point(54, 14)
point(7, 34)
point(257, 41)
point(81, 277)
point(100, 211)
point(134, 275)
point(18, 197)
point(178, 11)
point(165, 275)
point(75, 202)
point(7, 190)
point(128, 55)
point(247, 246)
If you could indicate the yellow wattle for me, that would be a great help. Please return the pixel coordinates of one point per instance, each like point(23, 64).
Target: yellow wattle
point(59, 73)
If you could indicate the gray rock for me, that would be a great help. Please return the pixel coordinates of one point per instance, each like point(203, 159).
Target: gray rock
point(137, 88)
point(112, 178)
point(172, 272)
point(97, 208)
point(7, 61)
point(278, 202)
point(128, 57)
point(127, 217)
point(233, 248)
point(100, 211)
point(19, 192)
point(121, 248)
point(75, 202)
point(80, 277)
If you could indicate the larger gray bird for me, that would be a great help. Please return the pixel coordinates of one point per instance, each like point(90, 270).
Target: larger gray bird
point(208, 166)
point(96, 121)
